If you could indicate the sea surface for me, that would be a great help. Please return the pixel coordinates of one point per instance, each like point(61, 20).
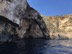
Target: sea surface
point(37, 46)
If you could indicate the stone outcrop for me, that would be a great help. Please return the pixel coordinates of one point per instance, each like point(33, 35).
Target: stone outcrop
point(36, 24)
point(7, 29)
point(60, 27)
point(17, 18)
point(13, 9)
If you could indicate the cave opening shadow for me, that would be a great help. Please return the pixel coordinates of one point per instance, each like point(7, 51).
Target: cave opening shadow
point(6, 20)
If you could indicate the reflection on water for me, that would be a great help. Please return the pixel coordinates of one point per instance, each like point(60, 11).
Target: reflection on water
point(38, 46)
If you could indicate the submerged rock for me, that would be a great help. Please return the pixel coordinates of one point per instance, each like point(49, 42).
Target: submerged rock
point(17, 18)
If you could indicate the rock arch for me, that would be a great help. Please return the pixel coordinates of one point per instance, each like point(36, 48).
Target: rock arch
point(16, 11)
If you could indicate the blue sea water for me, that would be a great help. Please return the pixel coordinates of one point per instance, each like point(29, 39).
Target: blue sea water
point(37, 46)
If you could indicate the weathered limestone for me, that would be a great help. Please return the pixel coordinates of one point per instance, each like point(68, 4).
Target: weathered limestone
point(60, 27)
point(33, 17)
point(24, 21)
point(7, 29)
point(13, 9)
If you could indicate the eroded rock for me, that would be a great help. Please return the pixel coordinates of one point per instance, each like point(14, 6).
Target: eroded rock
point(19, 18)
point(7, 29)
point(13, 9)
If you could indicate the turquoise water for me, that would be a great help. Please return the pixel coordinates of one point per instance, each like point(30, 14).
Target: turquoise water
point(37, 46)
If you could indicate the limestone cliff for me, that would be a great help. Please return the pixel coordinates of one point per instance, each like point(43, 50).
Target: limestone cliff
point(60, 27)
point(17, 18)
point(7, 29)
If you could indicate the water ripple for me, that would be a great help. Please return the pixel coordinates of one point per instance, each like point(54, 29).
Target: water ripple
point(38, 46)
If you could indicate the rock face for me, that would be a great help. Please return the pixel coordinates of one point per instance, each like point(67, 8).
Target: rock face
point(60, 27)
point(18, 18)
point(7, 29)
point(36, 24)
point(13, 9)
